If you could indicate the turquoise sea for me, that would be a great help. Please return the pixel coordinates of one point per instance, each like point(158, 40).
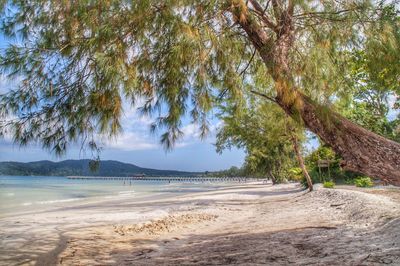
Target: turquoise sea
point(35, 193)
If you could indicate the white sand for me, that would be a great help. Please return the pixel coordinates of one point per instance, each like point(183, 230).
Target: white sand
point(253, 224)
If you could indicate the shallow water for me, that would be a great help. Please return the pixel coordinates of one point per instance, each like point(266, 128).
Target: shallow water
point(35, 193)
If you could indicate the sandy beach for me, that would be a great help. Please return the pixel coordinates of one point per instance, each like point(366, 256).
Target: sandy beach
point(250, 224)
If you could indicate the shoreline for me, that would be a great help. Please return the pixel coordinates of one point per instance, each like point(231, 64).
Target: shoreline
point(72, 196)
point(204, 226)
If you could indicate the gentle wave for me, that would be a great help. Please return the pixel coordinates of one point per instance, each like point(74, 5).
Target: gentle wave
point(127, 192)
point(50, 201)
point(58, 201)
point(121, 194)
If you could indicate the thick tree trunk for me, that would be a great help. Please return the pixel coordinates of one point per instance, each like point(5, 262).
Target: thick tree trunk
point(362, 151)
point(301, 163)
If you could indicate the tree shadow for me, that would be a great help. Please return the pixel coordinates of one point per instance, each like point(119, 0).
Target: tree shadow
point(301, 246)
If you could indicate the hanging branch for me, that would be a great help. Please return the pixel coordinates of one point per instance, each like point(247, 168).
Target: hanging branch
point(248, 64)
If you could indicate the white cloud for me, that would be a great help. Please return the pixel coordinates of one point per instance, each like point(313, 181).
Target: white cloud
point(6, 84)
point(190, 131)
point(192, 134)
point(131, 141)
point(136, 133)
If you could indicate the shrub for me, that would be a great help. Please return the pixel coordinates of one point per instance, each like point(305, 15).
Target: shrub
point(314, 177)
point(295, 173)
point(363, 181)
point(329, 184)
point(349, 181)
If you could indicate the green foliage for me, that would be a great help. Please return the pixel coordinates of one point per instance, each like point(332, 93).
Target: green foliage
point(315, 177)
point(363, 181)
point(329, 184)
point(80, 62)
point(321, 153)
point(325, 154)
point(295, 173)
point(369, 101)
point(379, 123)
point(349, 181)
point(261, 129)
point(335, 172)
point(373, 75)
point(231, 172)
point(381, 60)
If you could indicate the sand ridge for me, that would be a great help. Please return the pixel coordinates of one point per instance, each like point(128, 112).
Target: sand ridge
point(165, 224)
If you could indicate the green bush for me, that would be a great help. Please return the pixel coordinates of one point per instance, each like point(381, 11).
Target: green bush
point(295, 173)
point(363, 181)
point(349, 181)
point(314, 178)
point(329, 184)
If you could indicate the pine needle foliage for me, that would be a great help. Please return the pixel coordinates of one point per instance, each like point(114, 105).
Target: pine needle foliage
point(264, 132)
point(79, 61)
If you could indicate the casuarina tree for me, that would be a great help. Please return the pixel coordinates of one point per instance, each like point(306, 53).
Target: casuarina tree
point(77, 62)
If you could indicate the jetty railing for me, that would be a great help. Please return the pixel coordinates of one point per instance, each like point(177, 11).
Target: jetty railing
point(174, 179)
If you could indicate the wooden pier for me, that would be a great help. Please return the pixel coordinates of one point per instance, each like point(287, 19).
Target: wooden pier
point(166, 179)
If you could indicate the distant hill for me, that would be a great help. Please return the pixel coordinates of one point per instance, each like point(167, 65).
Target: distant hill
point(81, 168)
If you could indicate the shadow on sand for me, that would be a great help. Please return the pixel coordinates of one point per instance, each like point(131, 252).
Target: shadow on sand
point(302, 246)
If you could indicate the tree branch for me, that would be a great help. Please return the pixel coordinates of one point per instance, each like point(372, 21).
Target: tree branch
point(256, 33)
point(290, 9)
point(261, 13)
point(277, 9)
point(263, 95)
point(248, 64)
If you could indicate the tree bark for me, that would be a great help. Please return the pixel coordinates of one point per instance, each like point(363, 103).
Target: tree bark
point(362, 151)
point(273, 179)
point(301, 162)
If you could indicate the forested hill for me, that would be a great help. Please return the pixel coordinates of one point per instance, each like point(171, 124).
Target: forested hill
point(81, 168)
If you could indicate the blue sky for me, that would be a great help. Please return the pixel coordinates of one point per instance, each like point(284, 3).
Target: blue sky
point(135, 145)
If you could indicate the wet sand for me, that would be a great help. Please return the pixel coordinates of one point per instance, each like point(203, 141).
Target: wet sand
point(253, 224)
